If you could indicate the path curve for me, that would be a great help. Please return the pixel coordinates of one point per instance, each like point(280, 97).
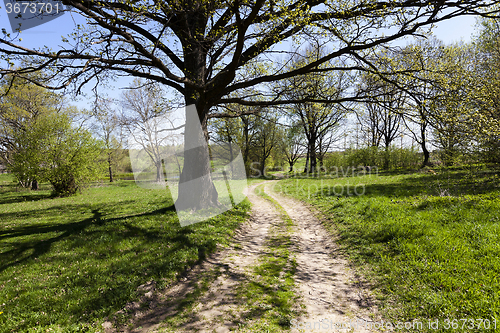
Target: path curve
point(326, 284)
point(329, 296)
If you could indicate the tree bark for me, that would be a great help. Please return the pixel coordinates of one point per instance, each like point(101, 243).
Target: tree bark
point(424, 148)
point(109, 169)
point(426, 154)
point(312, 156)
point(306, 168)
point(196, 188)
point(158, 170)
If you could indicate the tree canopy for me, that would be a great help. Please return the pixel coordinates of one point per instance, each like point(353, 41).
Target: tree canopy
point(222, 52)
point(209, 50)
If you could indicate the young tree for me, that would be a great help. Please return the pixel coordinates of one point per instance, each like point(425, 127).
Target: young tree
point(419, 63)
point(326, 141)
point(143, 105)
point(265, 141)
point(249, 134)
point(225, 137)
point(292, 145)
point(487, 90)
point(201, 49)
point(106, 126)
point(452, 108)
point(317, 119)
point(22, 104)
point(382, 118)
point(53, 150)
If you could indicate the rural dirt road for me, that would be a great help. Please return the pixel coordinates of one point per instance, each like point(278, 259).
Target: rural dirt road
point(211, 297)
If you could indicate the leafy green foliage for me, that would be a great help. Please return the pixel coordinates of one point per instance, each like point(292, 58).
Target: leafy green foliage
point(21, 105)
point(392, 158)
point(52, 150)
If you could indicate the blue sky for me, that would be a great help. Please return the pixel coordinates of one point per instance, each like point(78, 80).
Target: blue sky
point(50, 34)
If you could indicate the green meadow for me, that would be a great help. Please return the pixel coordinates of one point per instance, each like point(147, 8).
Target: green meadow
point(428, 243)
point(67, 264)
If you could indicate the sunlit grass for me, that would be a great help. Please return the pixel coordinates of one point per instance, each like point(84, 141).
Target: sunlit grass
point(430, 242)
point(68, 263)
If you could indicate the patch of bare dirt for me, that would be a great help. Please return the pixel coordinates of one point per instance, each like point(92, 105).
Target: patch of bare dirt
point(327, 287)
point(334, 300)
point(218, 309)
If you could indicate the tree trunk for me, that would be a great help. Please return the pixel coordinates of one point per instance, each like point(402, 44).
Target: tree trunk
point(263, 168)
point(231, 157)
point(312, 157)
point(386, 157)
point(34, 185)
point(424, 148)
point(158, 165)
point(426, 154)
point(109, 169)
point(306, 168)
point(196, 189)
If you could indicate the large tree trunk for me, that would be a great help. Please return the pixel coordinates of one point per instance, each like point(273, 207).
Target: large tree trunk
point(196, 188)
point(34, 185)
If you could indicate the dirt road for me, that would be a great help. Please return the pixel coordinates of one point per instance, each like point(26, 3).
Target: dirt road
point(218, 295)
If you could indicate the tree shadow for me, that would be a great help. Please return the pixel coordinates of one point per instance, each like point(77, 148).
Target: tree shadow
point(156, 248)
point(14, 197)
point(41, 247)
point(445, 184)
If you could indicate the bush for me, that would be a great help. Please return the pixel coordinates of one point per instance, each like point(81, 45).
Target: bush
point(52, 150)
point(389, 159)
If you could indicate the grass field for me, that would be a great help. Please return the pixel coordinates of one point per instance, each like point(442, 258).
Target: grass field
point(430, 243)
point(68, 263)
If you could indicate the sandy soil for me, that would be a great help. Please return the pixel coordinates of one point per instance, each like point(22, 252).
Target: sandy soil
point(330, 295)
point(333, 300)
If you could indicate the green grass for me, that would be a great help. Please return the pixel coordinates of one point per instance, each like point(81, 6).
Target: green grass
point(429, 242)
point(68, 263)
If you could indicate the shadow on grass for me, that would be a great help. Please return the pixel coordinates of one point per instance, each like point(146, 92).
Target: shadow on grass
point(43, 246)
point(17, 255)
point(448, 184)
point(98, 262)
point(14, 197)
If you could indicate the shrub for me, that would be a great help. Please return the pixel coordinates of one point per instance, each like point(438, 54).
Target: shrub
point(391, 158)
point(52, 150)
